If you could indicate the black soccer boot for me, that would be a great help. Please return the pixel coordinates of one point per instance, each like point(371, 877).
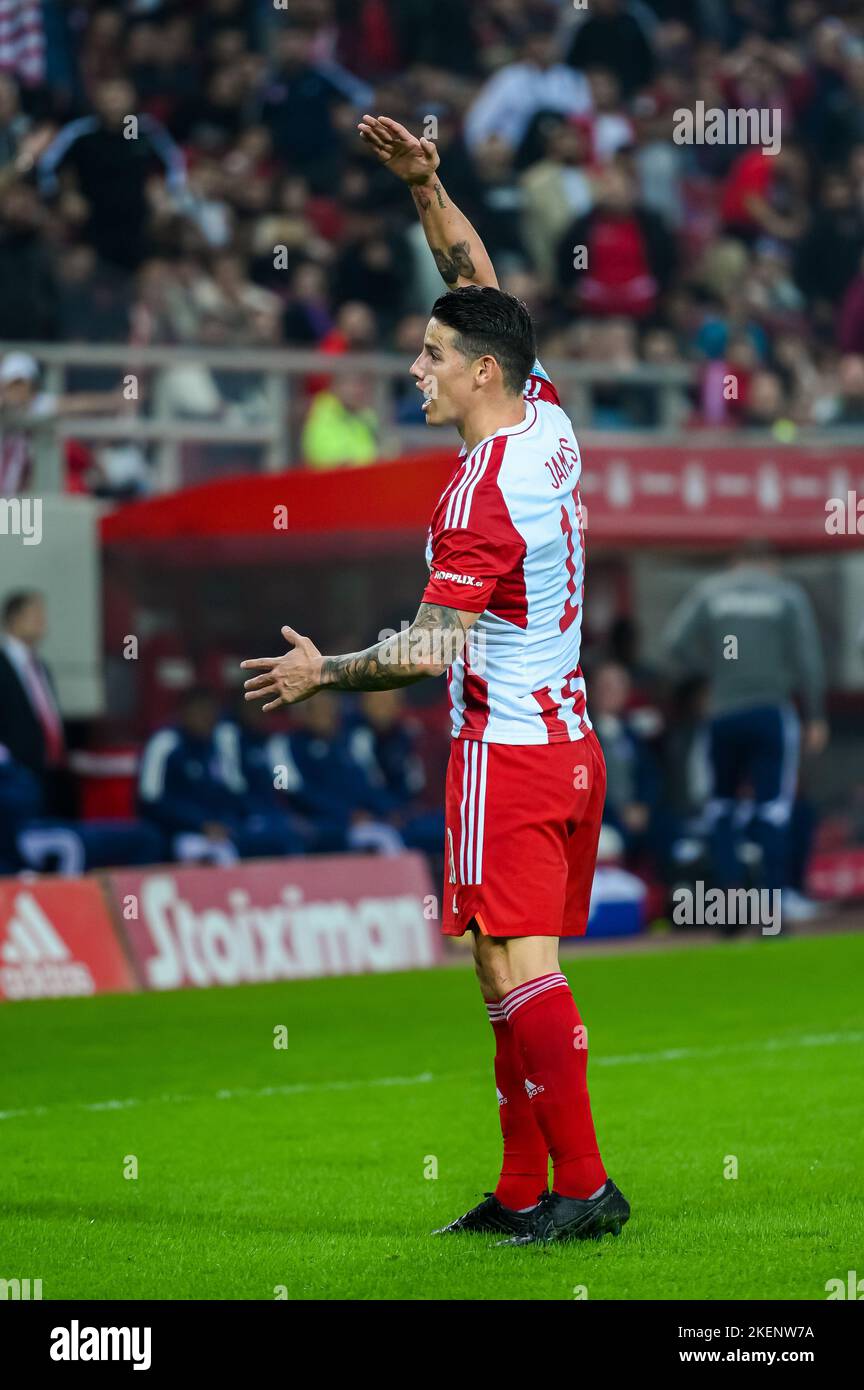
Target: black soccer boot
point(490, 1216)
point(557, 1218)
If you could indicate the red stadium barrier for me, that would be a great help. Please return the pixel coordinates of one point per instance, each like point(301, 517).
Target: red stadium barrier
point(57, 939)
point(837, 875)
point(681, 493)
point(274, 919)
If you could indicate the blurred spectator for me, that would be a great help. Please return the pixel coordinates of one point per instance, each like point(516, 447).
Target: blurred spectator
point(627, 255)
point(612, 36)
point(298, 100)
point(335, 789)
point(498, 203)
point(847, 406)
point(31, 840)
point(631, 772)
point(20, 801)
point(409, 335)
point(112, 163)
point(514, 95)
point(31, 725)
point(850, 322)
point(341, 427)
point(262, 764)
point(766, 406)
point(555, 191)
point(28, 285)
point(383, 740)
point(235, 310)
point(767, 194)
point(189, 788)
point(14, 122)
point(22, 41)
point(354, 330)
point(21, 401)
point(752, 635)
point(610, 130)
point(308, 316)
point(624, 645)
point(830, 254)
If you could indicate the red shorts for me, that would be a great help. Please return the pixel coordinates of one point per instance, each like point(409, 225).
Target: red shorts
point(522, 825)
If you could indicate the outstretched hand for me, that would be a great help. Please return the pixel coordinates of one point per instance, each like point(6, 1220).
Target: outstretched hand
point(412, 159)
point(288, 679)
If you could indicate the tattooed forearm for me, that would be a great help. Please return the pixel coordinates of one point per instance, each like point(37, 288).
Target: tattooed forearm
point(453, 262)
point(459, 253)
point(426, 648)
point(423, 198)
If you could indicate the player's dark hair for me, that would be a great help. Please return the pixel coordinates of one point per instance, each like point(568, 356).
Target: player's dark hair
point(489, 322)
point(16, 603)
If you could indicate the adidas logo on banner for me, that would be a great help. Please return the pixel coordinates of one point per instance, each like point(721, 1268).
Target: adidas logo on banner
point(532, 1090)
point(35, 961)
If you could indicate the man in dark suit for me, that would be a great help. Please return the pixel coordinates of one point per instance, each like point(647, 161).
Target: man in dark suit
point(31, 727)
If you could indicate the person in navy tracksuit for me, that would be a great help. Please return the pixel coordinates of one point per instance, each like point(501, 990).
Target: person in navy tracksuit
point(350, 808)
point(632, 775)
point(263, 765)
point(189, 787)
point(31, 840)
point(383, 741)
point(21, 799)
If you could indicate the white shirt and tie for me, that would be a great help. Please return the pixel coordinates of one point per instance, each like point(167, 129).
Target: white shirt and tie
point(38, 690)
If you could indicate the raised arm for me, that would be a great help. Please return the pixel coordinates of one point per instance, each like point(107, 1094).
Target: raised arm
point(459, 253)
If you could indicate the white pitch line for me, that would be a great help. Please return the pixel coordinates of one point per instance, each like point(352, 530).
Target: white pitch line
point(300, 1088)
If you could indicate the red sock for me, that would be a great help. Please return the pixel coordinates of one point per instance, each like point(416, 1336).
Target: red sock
point(548, 1032)
point(525, 1170)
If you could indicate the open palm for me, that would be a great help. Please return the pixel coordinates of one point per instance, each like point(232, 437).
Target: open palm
point(409, 158)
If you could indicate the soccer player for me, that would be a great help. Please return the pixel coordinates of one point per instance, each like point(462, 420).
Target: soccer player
point(501, 614)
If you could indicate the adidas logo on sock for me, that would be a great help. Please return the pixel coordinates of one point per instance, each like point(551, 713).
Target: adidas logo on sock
point(532, 1090)
point(502, 1100)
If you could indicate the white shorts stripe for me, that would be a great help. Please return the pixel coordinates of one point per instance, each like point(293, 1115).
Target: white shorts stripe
point(472, 811)
point(481, 810)
point(463, 837)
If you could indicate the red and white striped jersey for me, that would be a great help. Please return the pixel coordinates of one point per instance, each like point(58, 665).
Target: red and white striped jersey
point(507, 541)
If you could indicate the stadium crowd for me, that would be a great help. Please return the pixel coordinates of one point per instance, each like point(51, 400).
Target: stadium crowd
point(189, 173)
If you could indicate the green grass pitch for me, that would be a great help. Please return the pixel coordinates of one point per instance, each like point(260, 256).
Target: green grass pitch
point(304, 1168)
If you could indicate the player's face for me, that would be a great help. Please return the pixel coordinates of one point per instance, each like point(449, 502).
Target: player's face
point(443, 375)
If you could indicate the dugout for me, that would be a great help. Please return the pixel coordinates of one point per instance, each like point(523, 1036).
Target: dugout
point(198, 579)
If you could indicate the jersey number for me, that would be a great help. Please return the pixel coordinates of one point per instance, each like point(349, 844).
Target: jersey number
point(571, 608)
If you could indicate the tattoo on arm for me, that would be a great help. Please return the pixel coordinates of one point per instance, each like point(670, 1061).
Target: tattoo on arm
point(423, 198)
point(453, 262)
point(428, 646)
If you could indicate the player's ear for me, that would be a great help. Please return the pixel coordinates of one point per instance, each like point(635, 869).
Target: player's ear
point(485, 370)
